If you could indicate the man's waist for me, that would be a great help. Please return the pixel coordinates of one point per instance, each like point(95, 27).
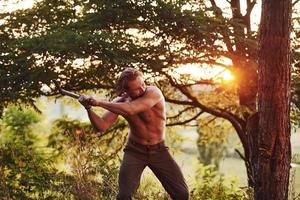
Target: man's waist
point(148, 146)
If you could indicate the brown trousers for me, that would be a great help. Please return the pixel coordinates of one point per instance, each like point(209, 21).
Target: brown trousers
point(159, 160)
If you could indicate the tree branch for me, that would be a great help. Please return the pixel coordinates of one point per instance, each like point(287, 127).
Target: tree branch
point(240, 154)
point(295, 2)
point(179, 102)
point(218, 13)
point(250, 6)
point(210, 121)
point(186, 121)
point(225, 115)
point(181, 112)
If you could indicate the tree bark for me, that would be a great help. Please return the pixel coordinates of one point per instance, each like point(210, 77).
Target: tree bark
point(274, 148)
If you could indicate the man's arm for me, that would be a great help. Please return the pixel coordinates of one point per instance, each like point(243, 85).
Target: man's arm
point(104, 122)
point(101, 124)
point(151, 97)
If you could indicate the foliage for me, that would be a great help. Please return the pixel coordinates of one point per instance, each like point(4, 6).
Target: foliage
point(76, 164)
point(212, 186)
point(38, 44)
point(213, 134)
point(293, 195)
point(90, 159)
point(71, 166)
point(26, 168)
point(150, 189)
point(68, 133)
point(295, 105)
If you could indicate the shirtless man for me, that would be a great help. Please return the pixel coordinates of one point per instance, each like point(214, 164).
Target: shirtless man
point(144, 109)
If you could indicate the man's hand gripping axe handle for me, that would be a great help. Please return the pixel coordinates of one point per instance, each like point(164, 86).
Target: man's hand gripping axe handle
point(65, 92)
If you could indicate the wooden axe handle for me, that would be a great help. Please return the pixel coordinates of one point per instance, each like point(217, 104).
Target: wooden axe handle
point(65, 92)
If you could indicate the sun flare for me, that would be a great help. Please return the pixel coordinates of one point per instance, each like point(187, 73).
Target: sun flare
point(227, 76)
point(197, 72)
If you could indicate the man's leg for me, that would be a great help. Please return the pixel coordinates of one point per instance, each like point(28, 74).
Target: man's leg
point(131, 170)
point(169, 174)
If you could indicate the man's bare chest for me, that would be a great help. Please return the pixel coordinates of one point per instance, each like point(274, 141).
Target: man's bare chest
point(147, 116)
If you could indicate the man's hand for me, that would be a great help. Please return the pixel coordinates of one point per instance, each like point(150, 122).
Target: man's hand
point(93, 102)
point(85, 101)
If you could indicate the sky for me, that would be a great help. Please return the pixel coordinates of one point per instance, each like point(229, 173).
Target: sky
point(12, 5)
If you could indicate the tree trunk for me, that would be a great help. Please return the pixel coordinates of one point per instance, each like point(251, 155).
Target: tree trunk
point(252, 147)
point(274, 150)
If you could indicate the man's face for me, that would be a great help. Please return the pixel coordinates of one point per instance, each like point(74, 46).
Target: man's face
point(136, 87)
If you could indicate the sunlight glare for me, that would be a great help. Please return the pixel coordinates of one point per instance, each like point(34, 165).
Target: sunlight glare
point(13, 5)
point(227, 76)
point(197, 72)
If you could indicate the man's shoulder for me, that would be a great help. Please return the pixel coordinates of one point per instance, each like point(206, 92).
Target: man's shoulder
point(152, 88)
point(154, 92)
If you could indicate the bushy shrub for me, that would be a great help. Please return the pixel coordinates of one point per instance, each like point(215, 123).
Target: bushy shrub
point(211, 185)
point(26, 170)
point(31, 170)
